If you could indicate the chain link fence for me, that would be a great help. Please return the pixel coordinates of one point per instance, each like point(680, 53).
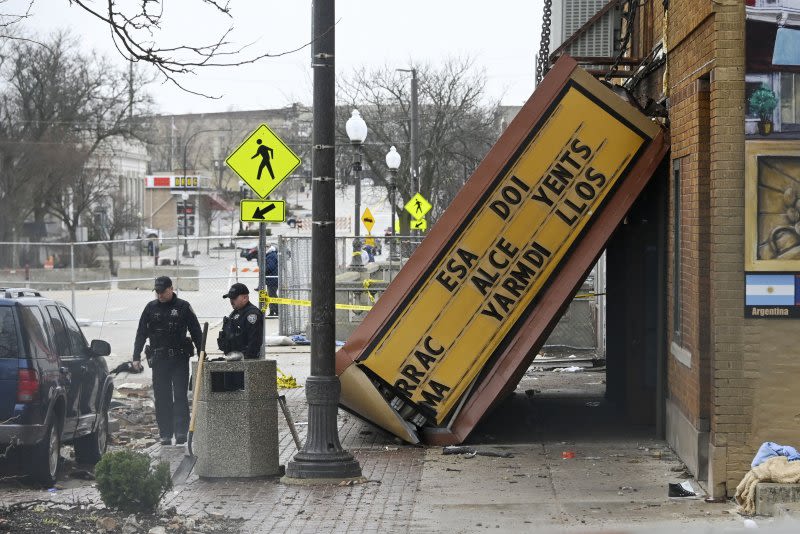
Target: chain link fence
point(110, 282)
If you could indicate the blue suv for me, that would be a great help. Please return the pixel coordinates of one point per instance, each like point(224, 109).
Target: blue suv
point(54, 387)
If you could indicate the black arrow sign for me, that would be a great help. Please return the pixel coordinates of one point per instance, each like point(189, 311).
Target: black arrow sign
point(368, 220)
point(260, 212)
point(419, 224)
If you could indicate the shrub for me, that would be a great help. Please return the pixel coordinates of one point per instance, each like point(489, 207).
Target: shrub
point(127, 482)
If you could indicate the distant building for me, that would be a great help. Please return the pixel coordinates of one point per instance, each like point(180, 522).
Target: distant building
point(587, 30)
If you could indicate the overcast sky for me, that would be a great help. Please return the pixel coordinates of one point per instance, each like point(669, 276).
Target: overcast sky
point(501, 36)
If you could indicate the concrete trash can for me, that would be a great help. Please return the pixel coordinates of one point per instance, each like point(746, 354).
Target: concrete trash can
point(236, 427)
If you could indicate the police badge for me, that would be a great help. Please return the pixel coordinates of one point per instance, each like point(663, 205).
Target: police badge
point(252, 318)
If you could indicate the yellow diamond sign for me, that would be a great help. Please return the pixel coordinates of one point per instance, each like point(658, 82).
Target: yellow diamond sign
point(368, 220)
point(263, 161)
point(418, 206)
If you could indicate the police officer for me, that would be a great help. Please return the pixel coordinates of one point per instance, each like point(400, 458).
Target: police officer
point(243, 330)
point(165, 322)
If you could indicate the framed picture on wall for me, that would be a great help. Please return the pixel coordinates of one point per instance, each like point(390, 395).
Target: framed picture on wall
point(772, 206)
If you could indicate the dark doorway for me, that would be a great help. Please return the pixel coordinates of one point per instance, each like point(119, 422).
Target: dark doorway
point(623, 394)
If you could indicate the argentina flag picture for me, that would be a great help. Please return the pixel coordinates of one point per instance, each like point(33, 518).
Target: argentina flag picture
point(772, 295)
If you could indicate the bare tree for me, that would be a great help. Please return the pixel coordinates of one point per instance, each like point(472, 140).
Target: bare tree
point(121, 217)
point(457, 125)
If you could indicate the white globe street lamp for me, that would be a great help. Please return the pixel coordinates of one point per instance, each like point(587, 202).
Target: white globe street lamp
point(393, 162)
point(357, 132)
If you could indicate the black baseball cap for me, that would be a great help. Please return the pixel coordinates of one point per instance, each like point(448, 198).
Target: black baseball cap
point(236, 290)
point(162, 283)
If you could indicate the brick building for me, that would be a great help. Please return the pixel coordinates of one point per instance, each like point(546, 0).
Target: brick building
point(687, 350)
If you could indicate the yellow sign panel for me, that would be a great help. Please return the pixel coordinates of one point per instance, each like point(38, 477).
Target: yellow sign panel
point(368, 220)
point(263, 210)
point(418, 206)
point(500, 258)
point(419, 224)
point(263, 161)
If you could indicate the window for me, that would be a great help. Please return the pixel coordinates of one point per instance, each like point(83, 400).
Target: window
point(8, 334)
point(34, 325)
point(677, 285)
point(76, 339)
point(790, 98)
point(61, 339)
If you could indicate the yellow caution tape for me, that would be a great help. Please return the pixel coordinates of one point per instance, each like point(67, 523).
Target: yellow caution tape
point(296, 302)
point(588, 295)
point(286, 381)
point(368, 283)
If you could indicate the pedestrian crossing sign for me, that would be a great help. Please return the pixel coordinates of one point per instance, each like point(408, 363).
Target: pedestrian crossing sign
point(418, 206)
point(263, 161)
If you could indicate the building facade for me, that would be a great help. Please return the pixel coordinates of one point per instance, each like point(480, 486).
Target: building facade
point(709, 319)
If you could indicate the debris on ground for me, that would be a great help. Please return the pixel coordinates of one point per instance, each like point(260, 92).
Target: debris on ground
point(39, 516)
point(286, 381)
point(470, 452)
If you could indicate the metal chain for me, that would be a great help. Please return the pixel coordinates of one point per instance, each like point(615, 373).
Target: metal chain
point(543, 61)
point(628, 15)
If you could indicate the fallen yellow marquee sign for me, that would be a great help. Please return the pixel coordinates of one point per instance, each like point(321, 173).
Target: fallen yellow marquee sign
point(512, 240)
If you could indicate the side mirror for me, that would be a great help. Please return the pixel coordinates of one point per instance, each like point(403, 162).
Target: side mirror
point(100, 347)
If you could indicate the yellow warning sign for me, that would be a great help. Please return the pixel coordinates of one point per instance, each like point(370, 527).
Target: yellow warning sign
point(418, 206)
point(499, 259)
point(263, 161)
point(263, 210)
point(419, 224)
point(368, 220)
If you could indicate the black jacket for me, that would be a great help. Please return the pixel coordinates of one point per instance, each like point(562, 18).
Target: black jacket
point(166, 324)
point(243, 331)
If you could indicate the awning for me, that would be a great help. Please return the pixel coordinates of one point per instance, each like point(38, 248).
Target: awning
point(787, 47)
point(217, 203)
point(763, 51)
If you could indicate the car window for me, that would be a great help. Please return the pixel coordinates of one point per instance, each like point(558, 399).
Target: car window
point(76, 339)
point(36, 333)
point(60, 333)
point(8, 333)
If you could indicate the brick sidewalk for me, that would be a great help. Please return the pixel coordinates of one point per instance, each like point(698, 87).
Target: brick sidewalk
point(384, 503)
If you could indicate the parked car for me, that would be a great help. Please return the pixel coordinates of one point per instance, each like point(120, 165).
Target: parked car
point(54, 387)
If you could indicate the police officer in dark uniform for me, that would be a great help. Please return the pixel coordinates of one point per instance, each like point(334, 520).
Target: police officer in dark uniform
point(165, 322)
point(242, 331)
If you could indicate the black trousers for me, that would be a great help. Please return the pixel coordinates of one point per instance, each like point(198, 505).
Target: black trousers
point(170, 385)
point(272, 291)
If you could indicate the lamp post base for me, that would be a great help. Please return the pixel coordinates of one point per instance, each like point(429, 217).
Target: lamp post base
point(323, 470)
point(322, 456)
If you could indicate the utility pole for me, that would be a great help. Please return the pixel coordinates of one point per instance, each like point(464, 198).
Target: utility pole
point(415, 131)
point(322, 457)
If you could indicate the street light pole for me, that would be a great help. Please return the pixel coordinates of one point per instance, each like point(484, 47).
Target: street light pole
point(185, 199)
point(322, 457)
point(357, 132)
point(393, 162)
point(415, 179)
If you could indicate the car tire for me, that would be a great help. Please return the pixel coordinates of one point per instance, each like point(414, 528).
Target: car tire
point(46, 455)
point(90, 448)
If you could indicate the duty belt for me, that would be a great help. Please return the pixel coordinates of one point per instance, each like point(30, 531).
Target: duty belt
point(169, 352)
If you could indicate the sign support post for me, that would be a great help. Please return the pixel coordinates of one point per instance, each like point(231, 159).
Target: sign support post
point(262, 247)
